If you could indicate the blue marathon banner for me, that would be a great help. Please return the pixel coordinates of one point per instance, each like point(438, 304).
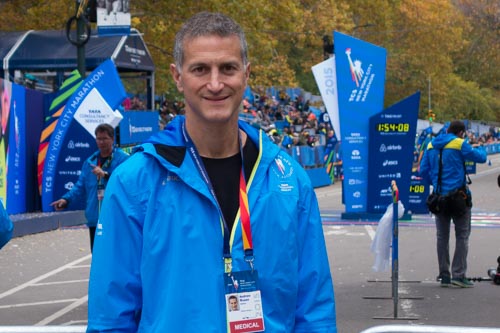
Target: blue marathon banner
point(137, 126)
point(73, 139)
point(360, 68)
point(392, 138)
point(16, 152)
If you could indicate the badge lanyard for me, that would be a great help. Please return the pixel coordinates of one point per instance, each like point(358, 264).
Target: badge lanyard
point(243, 201)
point(100, 181)
point(107, 161)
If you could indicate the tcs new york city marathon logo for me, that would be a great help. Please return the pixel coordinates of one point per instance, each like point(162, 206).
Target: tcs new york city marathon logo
point(361, 75)
point(355, 68)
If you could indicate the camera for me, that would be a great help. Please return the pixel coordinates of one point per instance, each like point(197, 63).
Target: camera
point(494, 274)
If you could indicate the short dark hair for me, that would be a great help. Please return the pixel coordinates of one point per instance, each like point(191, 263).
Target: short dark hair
point(456, 126)
point(205, 24)
point(105, 128)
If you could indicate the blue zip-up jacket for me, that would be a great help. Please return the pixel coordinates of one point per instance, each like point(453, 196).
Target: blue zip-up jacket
point(455, 152)
point(6, 226)
point(86, 186)
point(157, 264)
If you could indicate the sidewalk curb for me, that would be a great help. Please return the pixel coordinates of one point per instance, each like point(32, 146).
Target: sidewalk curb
point(32, 223)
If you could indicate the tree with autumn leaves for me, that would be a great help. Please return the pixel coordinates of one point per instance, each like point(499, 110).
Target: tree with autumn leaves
point(453, 45)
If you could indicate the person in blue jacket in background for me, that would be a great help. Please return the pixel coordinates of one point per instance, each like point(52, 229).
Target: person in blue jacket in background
point(94, 177)
point(454, 151)
point(6, 226)
point(207, 209)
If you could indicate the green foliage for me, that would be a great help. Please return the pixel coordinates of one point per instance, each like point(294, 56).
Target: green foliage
point(452, 44)
point(467, 100)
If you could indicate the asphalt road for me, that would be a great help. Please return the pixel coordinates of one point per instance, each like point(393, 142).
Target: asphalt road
point(44, 277)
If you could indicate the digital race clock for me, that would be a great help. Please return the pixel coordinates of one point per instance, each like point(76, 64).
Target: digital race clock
point(393, 127)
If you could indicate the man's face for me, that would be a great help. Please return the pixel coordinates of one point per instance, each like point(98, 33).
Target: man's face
point(213, 78)
point(104, 143)
point(233, 303)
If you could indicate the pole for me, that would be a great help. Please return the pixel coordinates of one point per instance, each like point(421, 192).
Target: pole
point(395, 257)
point(429, 103)
point(80, 36)
point(395, 254)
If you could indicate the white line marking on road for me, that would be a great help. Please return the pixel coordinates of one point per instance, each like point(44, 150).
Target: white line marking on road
point(19, 305)
point(63, 311)
point(80, 266)
point(44, 276)
point(75, 322)
point(59, 282)
point(370, 231)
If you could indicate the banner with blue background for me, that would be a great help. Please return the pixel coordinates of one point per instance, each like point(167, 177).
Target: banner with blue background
point(16, 152)
point(360, 68)
point(73, 139)
point(137, 126)
point(392, 138)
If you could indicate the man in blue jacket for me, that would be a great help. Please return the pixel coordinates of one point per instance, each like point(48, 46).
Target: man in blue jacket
point(94, 177)
point(208, 209)
point(6, 226)
point(454, 151)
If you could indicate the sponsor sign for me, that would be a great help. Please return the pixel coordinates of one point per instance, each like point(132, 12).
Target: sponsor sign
point(16, 152)
point(137, 126)
point(418, 193)
point(392, 138)
point(73, 138)
point(360, 72)
point(94, 110)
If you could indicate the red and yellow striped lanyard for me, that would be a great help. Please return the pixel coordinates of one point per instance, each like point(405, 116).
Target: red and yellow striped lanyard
point(243, 202)
point(246, 230)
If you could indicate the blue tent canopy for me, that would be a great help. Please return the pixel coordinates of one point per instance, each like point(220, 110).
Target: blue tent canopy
point(7, 42)
point(51, 50)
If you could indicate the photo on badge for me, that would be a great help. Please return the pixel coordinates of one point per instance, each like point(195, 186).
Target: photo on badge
point(232, 303)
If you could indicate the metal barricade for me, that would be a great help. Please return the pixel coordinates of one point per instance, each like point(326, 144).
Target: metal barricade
point(43, 329)
point(428, 329)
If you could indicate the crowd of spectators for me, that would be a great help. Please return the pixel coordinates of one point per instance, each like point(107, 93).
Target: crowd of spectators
point(293, 122)
point(135, 103)
point(491, 136)
point(168, 111)
point(288, 122)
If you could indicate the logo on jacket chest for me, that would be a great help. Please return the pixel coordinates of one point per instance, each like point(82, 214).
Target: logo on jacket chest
point(282, 167)
point(170, 178)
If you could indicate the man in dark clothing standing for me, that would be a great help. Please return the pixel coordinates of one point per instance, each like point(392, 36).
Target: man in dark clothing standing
point(443, 165)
